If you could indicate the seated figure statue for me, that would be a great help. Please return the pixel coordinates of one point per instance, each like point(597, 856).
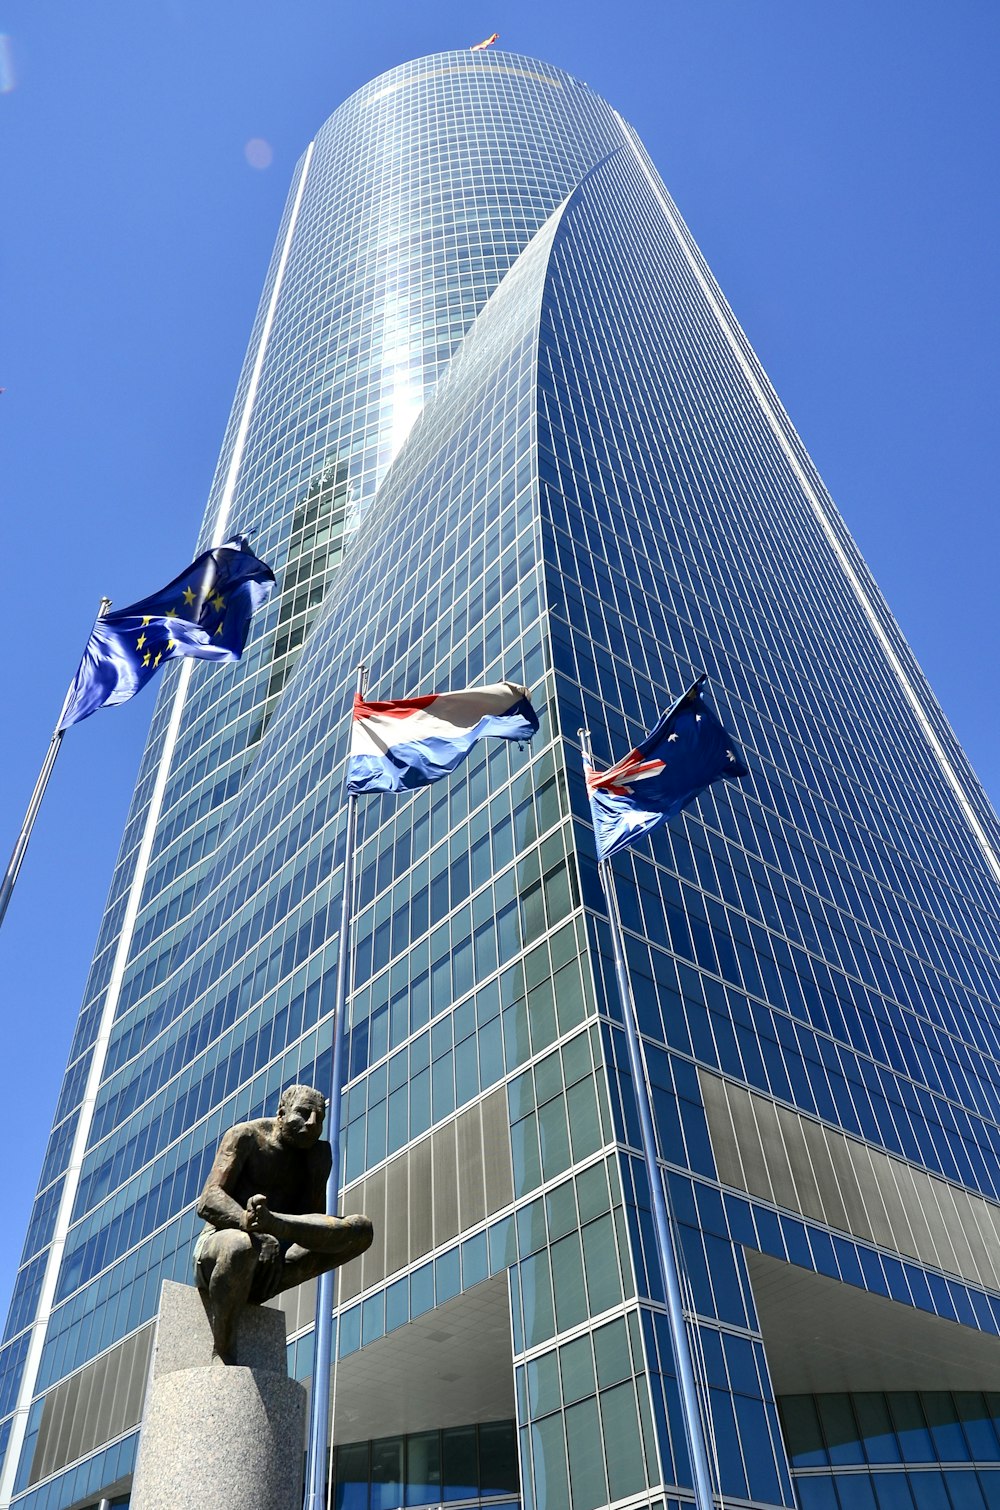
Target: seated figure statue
point(265, 1202)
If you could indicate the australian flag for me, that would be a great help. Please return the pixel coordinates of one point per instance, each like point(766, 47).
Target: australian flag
point(685, 753)
point(205, 613)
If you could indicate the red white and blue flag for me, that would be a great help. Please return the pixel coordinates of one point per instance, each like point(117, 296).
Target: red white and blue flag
point(396, 746)
point(685, 753)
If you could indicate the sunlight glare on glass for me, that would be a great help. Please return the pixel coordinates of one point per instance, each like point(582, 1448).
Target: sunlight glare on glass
point(258, 152)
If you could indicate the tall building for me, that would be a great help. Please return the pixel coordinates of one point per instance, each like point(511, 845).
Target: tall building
point(497, 421)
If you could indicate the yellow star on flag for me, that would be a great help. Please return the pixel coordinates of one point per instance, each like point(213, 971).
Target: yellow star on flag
point(140, 642)
point(159, 657)
point(171, 644)
point(145, 659)
point(188, 595)
point(218, 602)
point(218, 628)
point(147, 620)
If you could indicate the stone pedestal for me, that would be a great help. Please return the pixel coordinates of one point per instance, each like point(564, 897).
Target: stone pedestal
point(216, 1436)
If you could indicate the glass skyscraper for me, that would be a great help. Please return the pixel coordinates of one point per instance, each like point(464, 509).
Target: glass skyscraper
point(497, 422)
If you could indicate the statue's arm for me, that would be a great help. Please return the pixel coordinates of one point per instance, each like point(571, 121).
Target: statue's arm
point(215, 1204)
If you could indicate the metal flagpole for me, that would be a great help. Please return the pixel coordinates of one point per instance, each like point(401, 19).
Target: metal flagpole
point(18, 852)
point(693, 1427)
point(319, 1414)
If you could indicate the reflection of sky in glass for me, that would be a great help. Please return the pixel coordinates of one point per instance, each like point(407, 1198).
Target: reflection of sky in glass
point(403, 388)
point(421, 194)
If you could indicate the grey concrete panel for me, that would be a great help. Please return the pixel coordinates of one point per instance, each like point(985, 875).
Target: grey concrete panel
point(989, 1221)
point(397, 1224)
point(902, 1236)
point(869, 1168)
point(956, 1220)
point(496, 1150)
point(982, 1239)
point(936, 1220)
point(772, 1149)
point(724, 1144)
point(916, 1216)
point(421, 1196)
point(751, 1151)
point(849, 1185)
point(94, 1411)
point(832, 1209)
point(858, 1220)
point(471, 1174)
point(352, 1203)
point(101, 1401)
point(444, 1166)
point(803, 1174)
point(372, 1265)
point(298, 1306)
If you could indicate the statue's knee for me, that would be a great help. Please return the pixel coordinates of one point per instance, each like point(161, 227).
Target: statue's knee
point(235, 1250)
point(363, 1233)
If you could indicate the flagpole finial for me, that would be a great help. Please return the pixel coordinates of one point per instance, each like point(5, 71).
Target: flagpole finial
point(105, 605)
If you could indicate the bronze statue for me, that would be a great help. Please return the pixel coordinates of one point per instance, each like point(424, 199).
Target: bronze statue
point(265, 1203)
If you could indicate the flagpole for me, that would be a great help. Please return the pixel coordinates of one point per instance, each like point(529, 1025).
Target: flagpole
point(693, 1427)
point(319, 1414)
point(18, 852)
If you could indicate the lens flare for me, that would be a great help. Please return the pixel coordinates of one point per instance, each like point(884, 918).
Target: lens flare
point(258, 152)
point(7, 78)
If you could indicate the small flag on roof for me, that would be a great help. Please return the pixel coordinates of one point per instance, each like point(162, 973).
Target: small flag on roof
point(685, 753)
point(396, 746)
point(205, 613)
point(486, 42)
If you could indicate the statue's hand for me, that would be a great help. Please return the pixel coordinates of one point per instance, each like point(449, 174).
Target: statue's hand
point(258, 1219)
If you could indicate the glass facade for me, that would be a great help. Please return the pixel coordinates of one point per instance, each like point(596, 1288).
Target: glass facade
point(497, 422)
point(903, 1450)
point(470, 1464)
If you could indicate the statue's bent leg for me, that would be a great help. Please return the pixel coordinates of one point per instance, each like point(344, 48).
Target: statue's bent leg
point(343, 1238)
point(226, 1266)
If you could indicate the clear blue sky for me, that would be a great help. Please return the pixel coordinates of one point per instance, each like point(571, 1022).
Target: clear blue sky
point(836, 163)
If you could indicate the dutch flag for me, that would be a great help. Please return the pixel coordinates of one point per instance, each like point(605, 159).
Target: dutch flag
point(396, 746)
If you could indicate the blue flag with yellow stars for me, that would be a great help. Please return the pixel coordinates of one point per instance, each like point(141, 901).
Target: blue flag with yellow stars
point(205, 613)
point(685, 753)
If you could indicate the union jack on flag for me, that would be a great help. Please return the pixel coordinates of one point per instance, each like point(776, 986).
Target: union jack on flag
point(688, 750)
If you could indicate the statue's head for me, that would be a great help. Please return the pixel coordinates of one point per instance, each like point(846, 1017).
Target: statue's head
point(301, 1113)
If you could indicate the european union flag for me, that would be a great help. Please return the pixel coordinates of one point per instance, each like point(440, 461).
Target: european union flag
point(205, 613)
point(685, 753)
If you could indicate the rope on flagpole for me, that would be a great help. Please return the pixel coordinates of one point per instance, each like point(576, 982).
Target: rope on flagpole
point(319, 1414)
point(690, 1411)
point(35, 802)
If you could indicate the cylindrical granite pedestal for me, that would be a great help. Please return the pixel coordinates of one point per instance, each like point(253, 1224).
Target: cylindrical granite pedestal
point(216, 1436)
